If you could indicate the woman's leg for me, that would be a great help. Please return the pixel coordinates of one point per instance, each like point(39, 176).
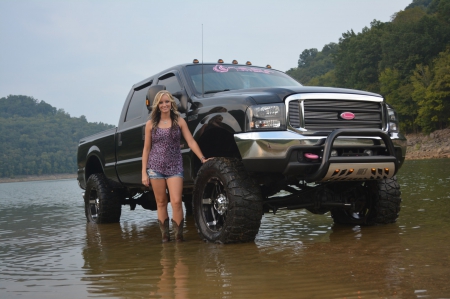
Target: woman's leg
point(159, 187)
point(175, 186)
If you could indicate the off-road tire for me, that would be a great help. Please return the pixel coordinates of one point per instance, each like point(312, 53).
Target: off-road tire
point(226, 179)
point(101, 203)
point(382, 205)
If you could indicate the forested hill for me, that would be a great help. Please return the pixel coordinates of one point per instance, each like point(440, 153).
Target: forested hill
point(36, 138)
point(407, 60)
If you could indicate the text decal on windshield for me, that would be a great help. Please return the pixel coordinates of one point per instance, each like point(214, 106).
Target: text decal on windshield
point(223, 69)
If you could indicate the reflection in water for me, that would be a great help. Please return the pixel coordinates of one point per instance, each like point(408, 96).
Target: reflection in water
point(173, 282)
point(48, 251)
point(123, 259)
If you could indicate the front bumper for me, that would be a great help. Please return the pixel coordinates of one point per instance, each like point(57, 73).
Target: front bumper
point(283, 152)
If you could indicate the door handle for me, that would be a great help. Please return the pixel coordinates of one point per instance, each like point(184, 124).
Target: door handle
point(143, 133)
point(119, 139)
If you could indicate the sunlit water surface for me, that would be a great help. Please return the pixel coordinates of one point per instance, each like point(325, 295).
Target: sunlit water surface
point(47, 250)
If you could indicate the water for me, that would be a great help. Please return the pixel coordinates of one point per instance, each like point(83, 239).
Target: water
point(47, 250)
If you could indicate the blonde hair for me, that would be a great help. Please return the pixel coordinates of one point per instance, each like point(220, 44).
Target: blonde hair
point(155, 115)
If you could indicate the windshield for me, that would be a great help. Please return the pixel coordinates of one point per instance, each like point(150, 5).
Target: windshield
point(221, 77)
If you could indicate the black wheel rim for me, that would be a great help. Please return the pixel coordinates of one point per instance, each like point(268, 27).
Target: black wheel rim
point(214, 205)
point(362, 206)
point(93, 205)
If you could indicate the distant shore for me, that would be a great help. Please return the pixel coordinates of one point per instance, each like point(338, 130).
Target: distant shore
point(28, 178)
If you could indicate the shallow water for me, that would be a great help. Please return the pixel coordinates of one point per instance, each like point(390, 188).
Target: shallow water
point(47, 250)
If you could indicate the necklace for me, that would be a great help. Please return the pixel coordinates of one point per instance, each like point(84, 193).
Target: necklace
point(164, 121)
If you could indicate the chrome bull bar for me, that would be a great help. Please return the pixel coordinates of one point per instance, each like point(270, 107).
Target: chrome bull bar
point(356, 168)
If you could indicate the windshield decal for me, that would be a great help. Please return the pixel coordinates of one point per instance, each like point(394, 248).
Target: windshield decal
point(224, 69)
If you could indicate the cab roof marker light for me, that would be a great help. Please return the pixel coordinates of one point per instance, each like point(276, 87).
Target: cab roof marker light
point(235, 61)
point(268, 66)
point(248, 63)
point(195, 61)
point(220, 61)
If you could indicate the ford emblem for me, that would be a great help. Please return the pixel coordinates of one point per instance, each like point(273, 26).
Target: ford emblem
point(347, 115)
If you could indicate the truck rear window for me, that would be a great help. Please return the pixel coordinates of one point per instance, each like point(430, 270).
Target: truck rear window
point(222, 77)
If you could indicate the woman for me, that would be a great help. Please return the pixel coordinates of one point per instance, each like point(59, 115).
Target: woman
point(162, 164)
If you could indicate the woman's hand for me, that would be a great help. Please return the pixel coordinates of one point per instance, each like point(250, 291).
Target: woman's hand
point(145, 180)
point(204, 160)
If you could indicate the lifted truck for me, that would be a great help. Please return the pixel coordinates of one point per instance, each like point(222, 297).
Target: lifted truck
point(277, 145)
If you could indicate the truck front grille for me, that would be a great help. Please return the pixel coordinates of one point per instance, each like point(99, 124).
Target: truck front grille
point(325, 115)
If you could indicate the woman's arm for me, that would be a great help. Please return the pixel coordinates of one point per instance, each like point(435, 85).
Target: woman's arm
point(190, 140)
point(146, 151)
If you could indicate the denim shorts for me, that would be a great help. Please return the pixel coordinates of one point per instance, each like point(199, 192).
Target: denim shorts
point(157, 175)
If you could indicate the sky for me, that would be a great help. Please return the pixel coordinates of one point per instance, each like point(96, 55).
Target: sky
point(84, 56)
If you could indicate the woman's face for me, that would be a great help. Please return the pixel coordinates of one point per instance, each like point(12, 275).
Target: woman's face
point(164, 104)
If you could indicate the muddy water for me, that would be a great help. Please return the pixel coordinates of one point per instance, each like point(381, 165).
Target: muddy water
point(48, 251)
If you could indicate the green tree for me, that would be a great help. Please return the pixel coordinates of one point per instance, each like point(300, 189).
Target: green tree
point(399, 96)
point(38, 138)
point(419, 3)
point(328, 79)
point(358, 58)
point(432, 93)
point(313, 63)
point(413, 38)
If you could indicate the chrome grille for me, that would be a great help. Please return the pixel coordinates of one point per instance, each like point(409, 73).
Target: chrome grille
point(324, 115)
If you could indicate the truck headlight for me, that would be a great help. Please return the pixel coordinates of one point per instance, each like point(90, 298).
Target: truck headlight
point(392, 120)
point(266, 117)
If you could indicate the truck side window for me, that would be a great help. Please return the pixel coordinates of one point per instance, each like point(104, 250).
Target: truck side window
point(171, 83)
point(137, 103)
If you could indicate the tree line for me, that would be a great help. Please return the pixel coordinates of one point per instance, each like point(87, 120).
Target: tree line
point(38, 139)
point(407, 60)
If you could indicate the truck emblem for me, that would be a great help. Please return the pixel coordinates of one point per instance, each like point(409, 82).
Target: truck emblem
point(347, 115)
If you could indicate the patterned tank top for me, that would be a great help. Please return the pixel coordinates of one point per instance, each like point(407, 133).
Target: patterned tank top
point(165, 154)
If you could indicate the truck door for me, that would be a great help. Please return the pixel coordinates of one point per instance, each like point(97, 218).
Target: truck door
point(130, 138)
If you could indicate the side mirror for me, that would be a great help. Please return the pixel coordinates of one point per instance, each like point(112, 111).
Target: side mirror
point(151, 93)
point(183, 97)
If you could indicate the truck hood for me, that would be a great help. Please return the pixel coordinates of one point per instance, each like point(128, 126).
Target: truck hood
point(278, 94)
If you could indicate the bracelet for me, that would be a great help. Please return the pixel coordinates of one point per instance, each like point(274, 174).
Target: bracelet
point(202, 158)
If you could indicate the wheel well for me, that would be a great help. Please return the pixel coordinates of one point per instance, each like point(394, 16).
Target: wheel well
point(218, 142)
point(93, 165)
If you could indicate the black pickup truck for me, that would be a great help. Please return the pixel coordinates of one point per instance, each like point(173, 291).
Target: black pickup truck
point(277, 145)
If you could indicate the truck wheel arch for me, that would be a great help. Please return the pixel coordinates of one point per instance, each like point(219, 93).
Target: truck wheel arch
point(93, 165)
point(218, 142)
point(215, 135)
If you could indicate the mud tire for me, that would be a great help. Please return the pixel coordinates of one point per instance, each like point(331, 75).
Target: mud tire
point(101, 203)
point(240, 218)
point(381, 206)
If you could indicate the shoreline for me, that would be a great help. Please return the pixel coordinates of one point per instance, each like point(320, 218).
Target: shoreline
point(419, 147)
point(436, 145)
point(29, 178)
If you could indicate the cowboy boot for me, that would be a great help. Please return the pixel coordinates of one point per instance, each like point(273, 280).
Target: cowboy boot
point(164, 227)
point(178, 230)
